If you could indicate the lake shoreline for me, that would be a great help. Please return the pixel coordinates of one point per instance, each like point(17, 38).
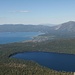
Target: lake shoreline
point(40, 51)
point(8, 37)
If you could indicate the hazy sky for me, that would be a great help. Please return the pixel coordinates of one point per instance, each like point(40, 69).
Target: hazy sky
point(36, 11)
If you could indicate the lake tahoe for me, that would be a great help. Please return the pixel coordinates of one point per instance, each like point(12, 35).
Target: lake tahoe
point(56, 61)
point(10, 37)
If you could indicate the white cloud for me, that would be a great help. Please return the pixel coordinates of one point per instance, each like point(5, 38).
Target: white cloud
point(22, 11)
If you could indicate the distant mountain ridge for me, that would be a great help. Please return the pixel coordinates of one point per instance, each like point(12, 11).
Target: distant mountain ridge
point(63, 28)
point(23, 28)
point(67, 27)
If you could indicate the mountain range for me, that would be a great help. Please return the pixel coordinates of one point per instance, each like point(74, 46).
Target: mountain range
point(68, 27)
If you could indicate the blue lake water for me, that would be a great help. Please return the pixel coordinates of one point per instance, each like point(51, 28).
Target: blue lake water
point(56, 61)
point(10, 37)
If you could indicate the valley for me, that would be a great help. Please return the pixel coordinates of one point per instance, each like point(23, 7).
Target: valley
point(53, 40)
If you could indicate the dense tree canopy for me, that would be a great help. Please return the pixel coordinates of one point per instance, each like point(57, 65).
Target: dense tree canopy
point(13, 66)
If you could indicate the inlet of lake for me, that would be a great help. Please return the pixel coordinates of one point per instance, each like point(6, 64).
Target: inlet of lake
point(11, 37)
point(55, 61)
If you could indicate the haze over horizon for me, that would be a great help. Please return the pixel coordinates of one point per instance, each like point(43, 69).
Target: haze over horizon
point(36, 11)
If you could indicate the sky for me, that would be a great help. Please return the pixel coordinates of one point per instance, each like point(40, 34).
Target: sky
point(36, 11)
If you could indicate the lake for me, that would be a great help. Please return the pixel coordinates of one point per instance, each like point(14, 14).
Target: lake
point(56, 61)
point(10, 37)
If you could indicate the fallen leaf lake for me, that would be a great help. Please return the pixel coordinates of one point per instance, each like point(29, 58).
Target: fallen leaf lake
point(55, 61)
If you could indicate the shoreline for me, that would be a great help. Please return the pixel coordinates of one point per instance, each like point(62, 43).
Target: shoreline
point(40, 51)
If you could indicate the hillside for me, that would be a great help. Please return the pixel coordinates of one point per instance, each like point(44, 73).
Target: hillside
point(66, 27)
point(64, 30)
point(12, 66)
